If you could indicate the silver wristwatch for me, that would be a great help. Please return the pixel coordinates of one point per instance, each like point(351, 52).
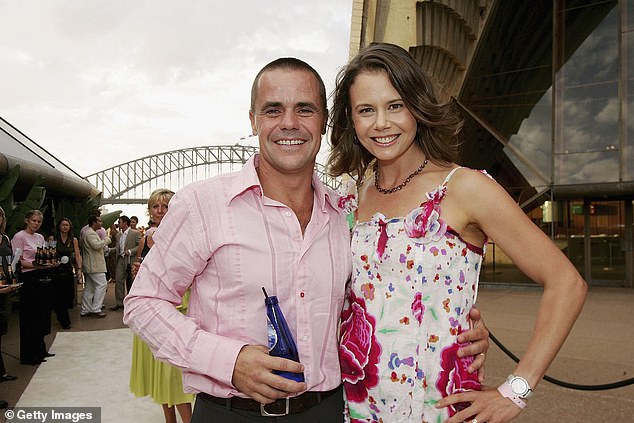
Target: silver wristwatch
point(520, 386)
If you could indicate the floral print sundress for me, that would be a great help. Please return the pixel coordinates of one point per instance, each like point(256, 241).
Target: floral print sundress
point(413, 284)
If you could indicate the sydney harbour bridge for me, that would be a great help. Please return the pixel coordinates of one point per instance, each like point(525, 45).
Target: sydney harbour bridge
point(133, 181)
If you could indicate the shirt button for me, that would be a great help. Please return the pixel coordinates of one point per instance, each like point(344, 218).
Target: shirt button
point(301, 294)
point(288, 213)
point(305, 337)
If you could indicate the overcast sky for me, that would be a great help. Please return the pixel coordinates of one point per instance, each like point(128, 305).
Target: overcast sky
point(98, 83)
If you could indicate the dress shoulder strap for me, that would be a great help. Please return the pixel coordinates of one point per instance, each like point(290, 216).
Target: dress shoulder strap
point(450, 174)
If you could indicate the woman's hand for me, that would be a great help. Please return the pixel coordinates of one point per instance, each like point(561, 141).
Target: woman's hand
point(487, 405)
point(6, 289)
point(134, 268)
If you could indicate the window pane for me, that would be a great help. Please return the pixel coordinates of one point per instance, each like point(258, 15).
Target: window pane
point(587, 97)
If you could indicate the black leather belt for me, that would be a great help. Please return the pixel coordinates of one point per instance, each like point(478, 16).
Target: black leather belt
point(278, 408)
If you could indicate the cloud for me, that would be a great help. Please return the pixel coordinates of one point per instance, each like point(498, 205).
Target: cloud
point(98, 83)
point(609, 113)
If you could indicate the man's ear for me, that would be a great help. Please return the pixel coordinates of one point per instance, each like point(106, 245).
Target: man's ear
point(254, 129)
point(323, 130)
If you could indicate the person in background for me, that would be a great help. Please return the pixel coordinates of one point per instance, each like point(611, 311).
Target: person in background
point(148, 376)
point(274, 225)
point(422, 225)
point(126, 244)
point(6, 288)
point(101, 231)
point(35, 292)
point(64, 276)
point(134, 221)
point(94, 269)
point(111, 257)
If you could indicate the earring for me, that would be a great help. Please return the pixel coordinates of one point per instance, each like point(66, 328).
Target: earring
point(356, 140)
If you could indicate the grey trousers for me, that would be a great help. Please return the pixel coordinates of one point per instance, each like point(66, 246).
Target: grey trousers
point(121, 275)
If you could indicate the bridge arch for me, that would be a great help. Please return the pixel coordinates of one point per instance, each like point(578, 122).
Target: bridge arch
point(133, 181)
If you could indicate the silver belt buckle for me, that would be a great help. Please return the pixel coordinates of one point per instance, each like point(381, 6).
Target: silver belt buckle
point(265, 413)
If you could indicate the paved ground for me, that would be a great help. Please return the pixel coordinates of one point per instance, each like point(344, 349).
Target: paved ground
point(600, 350)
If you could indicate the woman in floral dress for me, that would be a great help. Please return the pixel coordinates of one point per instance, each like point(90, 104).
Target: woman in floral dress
point(418, 242)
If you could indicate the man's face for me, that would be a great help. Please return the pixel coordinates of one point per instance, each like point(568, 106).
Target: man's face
point(98, 224)
point(289, 120)
point(123, 225)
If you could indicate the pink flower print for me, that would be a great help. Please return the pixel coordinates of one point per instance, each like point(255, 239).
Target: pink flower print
point(424, 222)
point(454, 377)
point(347, 203)
point(380, 247)
point(418, 308)
point(347, 200)
point(358, 351)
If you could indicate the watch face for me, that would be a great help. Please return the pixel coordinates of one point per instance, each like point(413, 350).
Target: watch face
point(520, 387)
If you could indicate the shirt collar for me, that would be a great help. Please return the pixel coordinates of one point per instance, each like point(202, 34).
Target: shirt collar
point(245, 180)
point(325, 196)
point(248, 179)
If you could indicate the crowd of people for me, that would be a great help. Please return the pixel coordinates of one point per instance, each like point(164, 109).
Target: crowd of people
point(43, 286)
point(378, 284)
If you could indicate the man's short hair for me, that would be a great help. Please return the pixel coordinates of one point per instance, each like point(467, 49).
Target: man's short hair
point(125, 219)
point(92, 219)
point(289, 63)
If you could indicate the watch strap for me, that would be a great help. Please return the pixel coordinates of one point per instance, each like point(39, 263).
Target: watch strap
point(507, 392)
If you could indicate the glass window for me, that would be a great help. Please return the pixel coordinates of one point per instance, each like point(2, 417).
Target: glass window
point(533, 140)
point(587, 96)
point(628, 92)
point(607, 232)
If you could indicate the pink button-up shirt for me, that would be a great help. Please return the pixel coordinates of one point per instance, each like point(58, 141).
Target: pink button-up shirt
point(225, 240)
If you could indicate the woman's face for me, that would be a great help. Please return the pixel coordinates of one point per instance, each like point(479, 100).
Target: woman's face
point(382, 121)
point(158, 210)
point(33, 223)
point(64, 227)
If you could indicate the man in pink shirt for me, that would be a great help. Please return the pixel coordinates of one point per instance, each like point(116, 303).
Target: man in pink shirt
point(271, 225)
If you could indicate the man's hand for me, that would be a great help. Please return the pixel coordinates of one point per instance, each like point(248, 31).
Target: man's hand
point(479, 338)
point(253, 376)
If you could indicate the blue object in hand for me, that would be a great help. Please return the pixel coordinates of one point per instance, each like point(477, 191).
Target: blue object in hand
point(281, 342)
